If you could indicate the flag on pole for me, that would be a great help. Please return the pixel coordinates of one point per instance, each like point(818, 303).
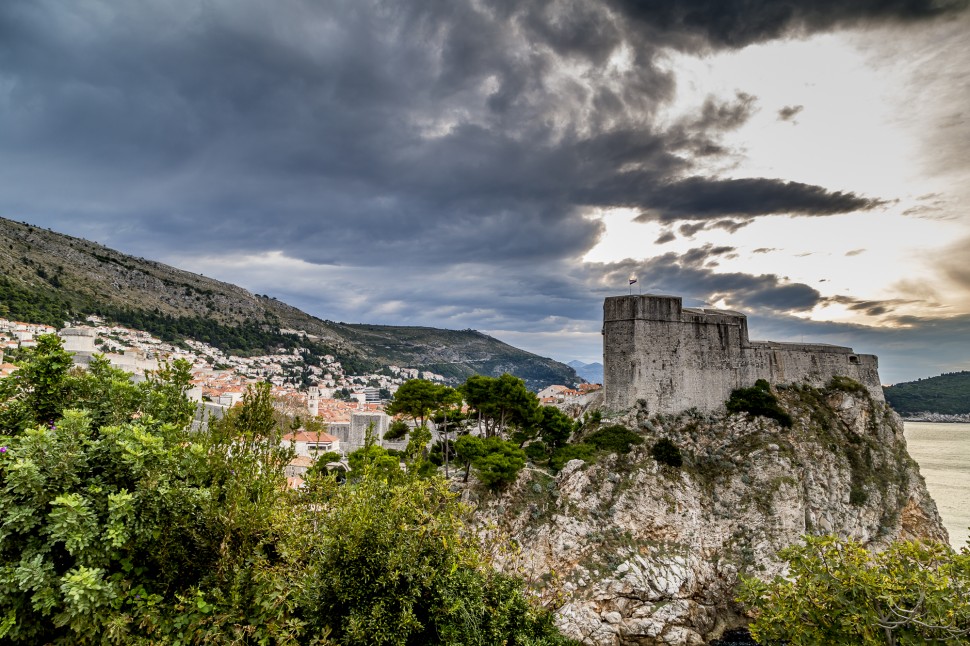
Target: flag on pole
point(633, 279)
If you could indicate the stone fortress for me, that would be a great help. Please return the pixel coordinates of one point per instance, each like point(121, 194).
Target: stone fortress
point(676, 358)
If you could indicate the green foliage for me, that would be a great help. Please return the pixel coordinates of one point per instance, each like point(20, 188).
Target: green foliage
point(666, 452)
point(397, 430)
point(469, 448)
point(120, 526)
point(948, 394)
point(837, 592)
point(555, 426)
point(419, 399)
point(393, 565)
point(500, 403)
point(614, 439)
point(759, 401)
point(373, 458)
point(847, 385)
point(562, 455)
point(500, 462)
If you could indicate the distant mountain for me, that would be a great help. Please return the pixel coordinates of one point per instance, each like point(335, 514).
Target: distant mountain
point(948, 394)
point(48, 277)
point(591, 372)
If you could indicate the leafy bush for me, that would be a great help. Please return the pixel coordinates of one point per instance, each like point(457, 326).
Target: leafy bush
point(836, 592)
point(397, 430)
point(564, 454)
point(499, 464)
point(758, 401)
point(389, 572)
point(666, 452)
point(614, 439)
point(139, 531)
point(846, 384)
point(537, 452)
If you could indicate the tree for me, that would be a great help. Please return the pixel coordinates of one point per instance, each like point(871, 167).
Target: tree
point(38, 391)
point(499, 463)
point(555, 427)
point(421, 400)
point(500, 403)
point(393, 564)
point(837, 592)
point(416, 398)
point(468, 448)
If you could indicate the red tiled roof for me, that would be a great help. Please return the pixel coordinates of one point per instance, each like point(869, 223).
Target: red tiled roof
point(304, 436)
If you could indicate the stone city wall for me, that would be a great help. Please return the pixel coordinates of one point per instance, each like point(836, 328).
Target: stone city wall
point(677, 358)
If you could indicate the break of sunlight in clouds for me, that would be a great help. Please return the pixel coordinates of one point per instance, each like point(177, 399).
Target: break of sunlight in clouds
point(842, 138)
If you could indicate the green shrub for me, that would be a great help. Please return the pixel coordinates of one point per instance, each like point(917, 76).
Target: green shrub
point(564, 454)
point(666, 452)
point(759, 401)
point(614, 439)
point(499, 464)
point(397, 430)
point(846, 384)
point(537, 452)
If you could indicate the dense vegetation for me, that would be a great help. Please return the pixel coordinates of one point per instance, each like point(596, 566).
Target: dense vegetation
point(758, 400)
point(121, 526)
point(837, 592)
point(948, 394)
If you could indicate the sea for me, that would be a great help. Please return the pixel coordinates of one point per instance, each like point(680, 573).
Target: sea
point(943, 454)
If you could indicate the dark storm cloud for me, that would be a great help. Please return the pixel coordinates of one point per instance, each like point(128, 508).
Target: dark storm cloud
point(736, 23)
point(424, 162)
point(692, 275)
point(356, 124)
point(789, 112)
point(701, 198)
point(872, 308)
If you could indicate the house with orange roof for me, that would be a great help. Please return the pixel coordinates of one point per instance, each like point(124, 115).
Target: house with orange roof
point(310, 444)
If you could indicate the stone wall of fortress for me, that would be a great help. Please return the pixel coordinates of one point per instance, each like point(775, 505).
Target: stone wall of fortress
point(676, 358)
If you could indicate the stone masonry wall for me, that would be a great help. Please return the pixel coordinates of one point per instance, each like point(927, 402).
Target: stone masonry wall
point(677, 358)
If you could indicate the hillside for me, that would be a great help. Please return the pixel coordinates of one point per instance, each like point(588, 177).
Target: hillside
point(948, 394)
point(47, 277)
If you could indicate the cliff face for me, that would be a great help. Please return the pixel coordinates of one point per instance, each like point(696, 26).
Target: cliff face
point(644, 553)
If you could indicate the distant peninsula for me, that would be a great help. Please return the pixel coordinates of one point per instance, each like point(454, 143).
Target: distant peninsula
point(945, 398)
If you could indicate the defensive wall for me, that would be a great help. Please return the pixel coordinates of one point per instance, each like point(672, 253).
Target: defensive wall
point(676, 358)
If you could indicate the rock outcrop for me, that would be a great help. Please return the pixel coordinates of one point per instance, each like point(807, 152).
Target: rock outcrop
point(644, 553)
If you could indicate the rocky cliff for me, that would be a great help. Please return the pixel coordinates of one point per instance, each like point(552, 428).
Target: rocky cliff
point(645, 553)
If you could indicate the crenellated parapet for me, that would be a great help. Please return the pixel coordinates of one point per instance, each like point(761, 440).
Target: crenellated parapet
point(676, 358)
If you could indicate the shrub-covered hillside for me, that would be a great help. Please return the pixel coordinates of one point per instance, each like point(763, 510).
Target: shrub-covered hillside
point(948, 394)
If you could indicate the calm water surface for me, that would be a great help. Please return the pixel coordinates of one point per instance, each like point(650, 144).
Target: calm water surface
point(943, 454)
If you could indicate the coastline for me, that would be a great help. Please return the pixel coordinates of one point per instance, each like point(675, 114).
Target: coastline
point(937, 418)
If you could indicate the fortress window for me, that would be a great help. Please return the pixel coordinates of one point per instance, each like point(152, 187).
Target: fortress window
point(853, 359)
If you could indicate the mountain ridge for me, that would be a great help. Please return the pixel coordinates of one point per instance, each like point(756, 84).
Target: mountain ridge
point(53, 277)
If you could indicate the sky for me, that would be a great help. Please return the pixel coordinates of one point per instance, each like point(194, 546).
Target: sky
point(504, 166)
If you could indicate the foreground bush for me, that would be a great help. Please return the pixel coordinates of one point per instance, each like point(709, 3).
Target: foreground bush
point(118, 525)
point(837, 592)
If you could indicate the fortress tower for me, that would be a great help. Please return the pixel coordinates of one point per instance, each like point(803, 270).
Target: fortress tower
point(676, 358)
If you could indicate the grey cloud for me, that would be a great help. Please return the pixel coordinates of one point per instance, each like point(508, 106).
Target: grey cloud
point(698, 198)
point(736, 23)
point(430, 154)
point(789, 112)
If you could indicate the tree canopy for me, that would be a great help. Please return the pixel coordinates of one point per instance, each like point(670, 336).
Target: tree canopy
point(838, 592)
point(120, 525)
